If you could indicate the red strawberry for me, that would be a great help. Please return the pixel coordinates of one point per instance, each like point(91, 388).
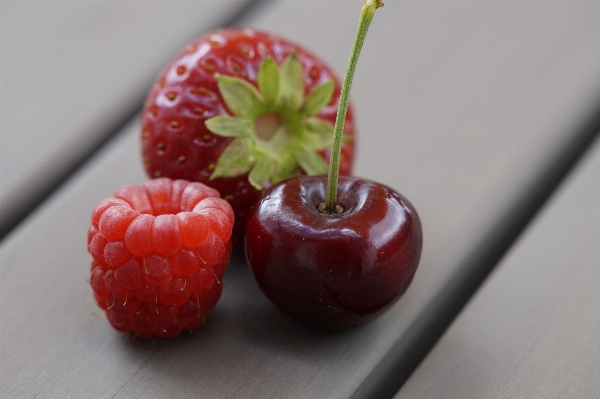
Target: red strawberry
point(241, 110)
point(159, 251)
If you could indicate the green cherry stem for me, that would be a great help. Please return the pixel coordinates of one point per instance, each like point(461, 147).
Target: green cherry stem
point(366, 16)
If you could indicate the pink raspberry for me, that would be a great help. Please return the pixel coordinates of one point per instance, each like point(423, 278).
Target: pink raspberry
point(159, 252)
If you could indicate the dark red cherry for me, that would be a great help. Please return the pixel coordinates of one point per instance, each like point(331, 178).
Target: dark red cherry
point(333, 271)
point(334, 252)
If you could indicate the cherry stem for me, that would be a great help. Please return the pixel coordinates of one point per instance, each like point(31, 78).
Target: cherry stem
point(366, 16)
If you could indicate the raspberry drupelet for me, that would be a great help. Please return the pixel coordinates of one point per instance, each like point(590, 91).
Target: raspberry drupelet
point(159, 252)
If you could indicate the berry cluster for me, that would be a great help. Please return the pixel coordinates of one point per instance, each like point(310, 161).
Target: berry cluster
point(159, 252)
point(256, 118)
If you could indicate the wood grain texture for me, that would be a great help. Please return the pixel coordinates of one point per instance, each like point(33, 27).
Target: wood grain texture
point(72, 70)
point(532, 329)
point(469, 105)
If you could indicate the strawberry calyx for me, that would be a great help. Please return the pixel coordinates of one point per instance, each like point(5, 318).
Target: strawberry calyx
point(274, 127)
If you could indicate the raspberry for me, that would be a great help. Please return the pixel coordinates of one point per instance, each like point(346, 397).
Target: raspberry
point(159, 252)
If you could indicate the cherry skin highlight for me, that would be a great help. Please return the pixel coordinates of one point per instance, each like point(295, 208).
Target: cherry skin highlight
point(333, 271)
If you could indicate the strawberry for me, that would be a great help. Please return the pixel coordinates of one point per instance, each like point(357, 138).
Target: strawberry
point(241, 110)
point(159, 252)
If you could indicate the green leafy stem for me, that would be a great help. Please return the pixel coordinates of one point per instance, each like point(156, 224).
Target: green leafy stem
point(275, 128)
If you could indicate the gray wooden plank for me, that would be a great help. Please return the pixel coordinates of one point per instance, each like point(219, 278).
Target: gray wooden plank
point(72, 70)
point(532, 329)
point(475, 101)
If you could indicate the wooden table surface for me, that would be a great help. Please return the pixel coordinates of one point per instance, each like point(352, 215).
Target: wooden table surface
point(532, 329)
point(473, 110)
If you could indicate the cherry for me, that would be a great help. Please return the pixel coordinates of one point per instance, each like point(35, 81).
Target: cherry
point(334, 252)
point(333, 271)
